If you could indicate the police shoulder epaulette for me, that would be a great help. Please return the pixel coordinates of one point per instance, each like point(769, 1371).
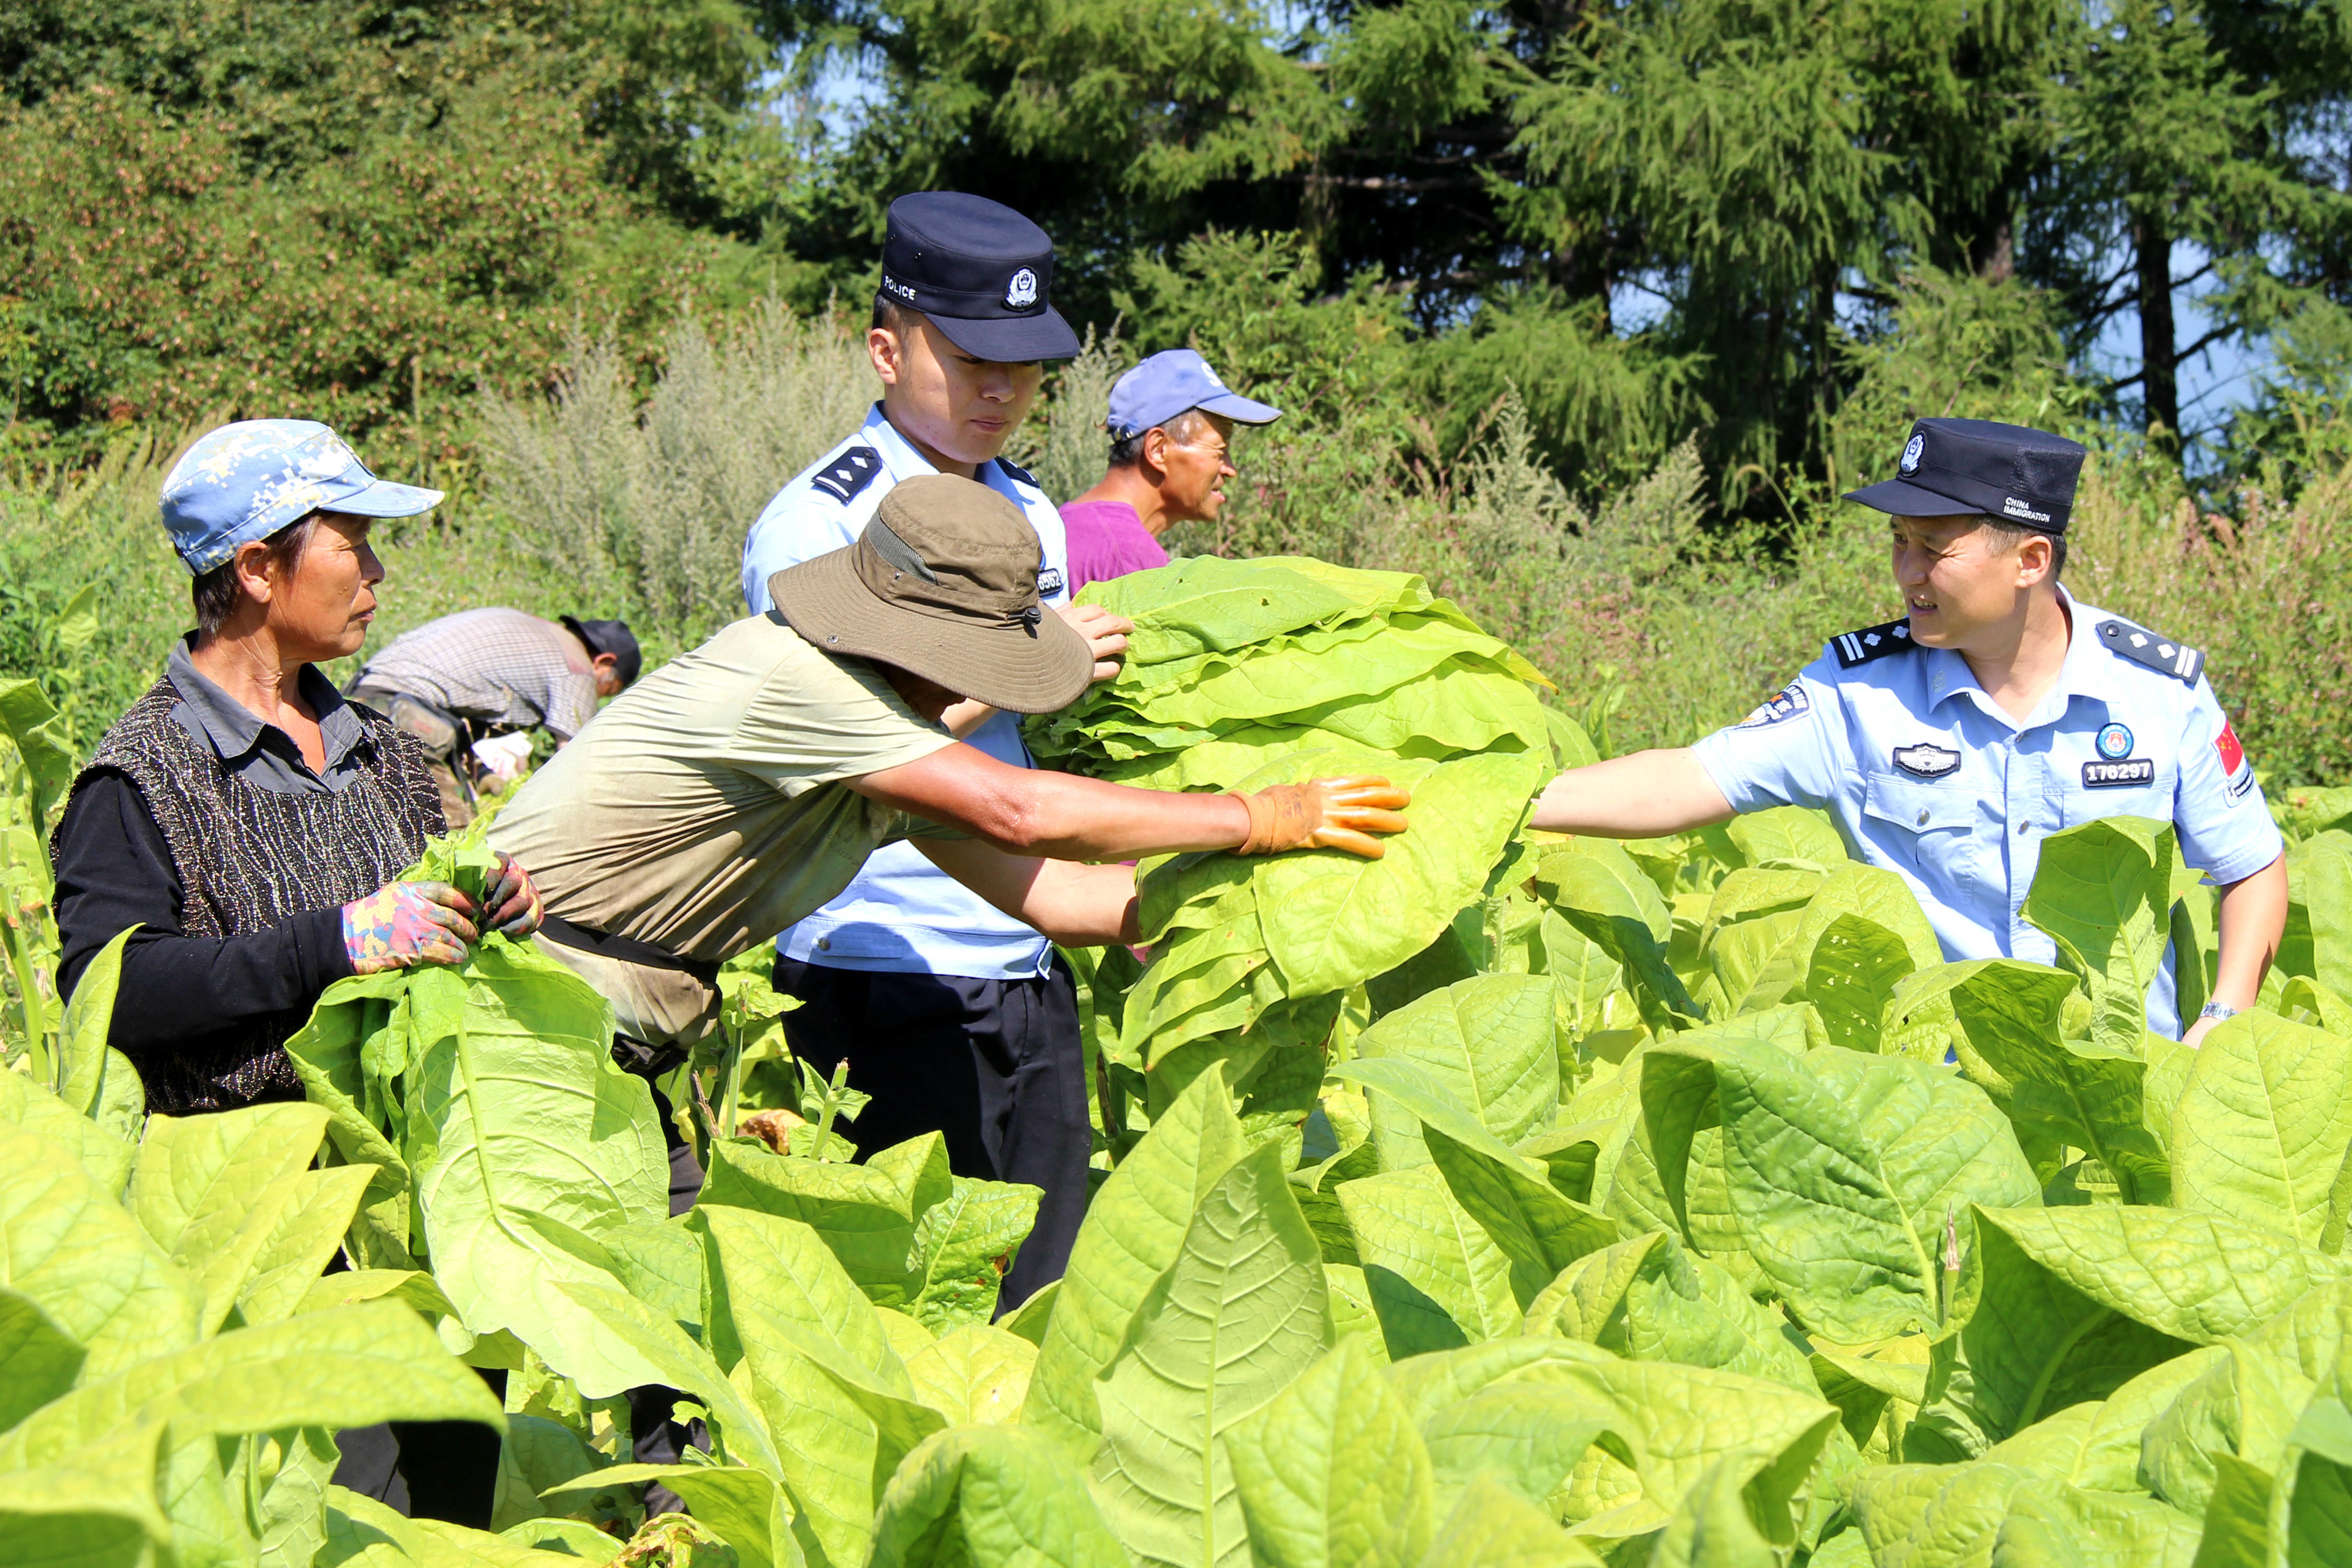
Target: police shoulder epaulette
point(1872, 642)
point(849, 473)
point(1018, 472)
point(2154, 649)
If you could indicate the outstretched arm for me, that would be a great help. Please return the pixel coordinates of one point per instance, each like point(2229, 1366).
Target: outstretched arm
point(1077, 906)
point(1027, 811)
point(1643, 795)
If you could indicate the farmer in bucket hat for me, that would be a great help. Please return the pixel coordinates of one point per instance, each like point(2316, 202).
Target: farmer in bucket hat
point(738, 788)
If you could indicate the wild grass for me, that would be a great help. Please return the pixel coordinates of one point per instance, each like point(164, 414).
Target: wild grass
point(1657, 622)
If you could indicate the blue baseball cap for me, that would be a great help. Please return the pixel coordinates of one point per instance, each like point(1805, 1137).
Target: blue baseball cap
point(1166, 384)
point(245, 481)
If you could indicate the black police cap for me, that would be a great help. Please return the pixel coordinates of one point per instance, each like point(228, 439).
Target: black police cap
point(980, 271)
point(2006, 471)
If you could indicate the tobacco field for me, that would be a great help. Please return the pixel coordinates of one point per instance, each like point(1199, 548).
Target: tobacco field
point(1508, 1201)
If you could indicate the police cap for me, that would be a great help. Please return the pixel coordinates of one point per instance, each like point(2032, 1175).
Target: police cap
point(2006, 471)
point(980, 271)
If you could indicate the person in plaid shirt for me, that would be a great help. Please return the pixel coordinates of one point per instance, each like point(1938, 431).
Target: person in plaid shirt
point(481, 673)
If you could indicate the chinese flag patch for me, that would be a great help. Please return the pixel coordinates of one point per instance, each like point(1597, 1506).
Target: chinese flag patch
point(2234, 755)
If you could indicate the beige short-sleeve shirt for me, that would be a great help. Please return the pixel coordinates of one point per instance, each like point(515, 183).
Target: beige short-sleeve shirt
point(705, 809)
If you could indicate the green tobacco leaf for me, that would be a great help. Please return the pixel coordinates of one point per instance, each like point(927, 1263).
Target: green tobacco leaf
point(1530, 1436)
point(1344, 920)
point(1429, 1384)
point(2246, 1397)
point(964, 1244)
point(1240, 1313)
point(2086, 1094)
point(1587, 1302)
point(1435, 1277)
point(68, 1246)
point(211, 1191)
point(1787, 833)
point(973, 1375)
point(867, 1214)
point(1331, 1472)
point(348, 1367)
point(2320, 872)
point(1599, 890)
point(94, 1507)
point(311, 1213)
point(2103, 890)
point(744, 1507)
point(2058, 1306)
point(991, 1497)
point(93, 1079)
point(1668, 1424)
point(1491, 1527)
point(2262, 1130)
point(1840, 1171)
point(1540, 1231)
point(660, 1350)
point(1487, 1043)
point(1711, 1527)
point(31, 720)
point(1849, 975)
point(2311, 1518)
point(1649, 1300)
point(1133, 1231)
point(537, 1456)
point(104, 1156)
point(2055, 1525)
point(39, 1360)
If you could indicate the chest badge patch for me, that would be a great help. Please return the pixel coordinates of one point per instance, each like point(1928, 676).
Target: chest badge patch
point(2115, 742)
point(2119, 775)
point(1926, 759)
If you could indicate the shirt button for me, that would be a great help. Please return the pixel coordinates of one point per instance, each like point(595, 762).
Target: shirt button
point(1922, 819)
point(825, 945)
point(2021, 827)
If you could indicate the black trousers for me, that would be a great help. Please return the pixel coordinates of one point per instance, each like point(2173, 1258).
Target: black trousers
point(426, 1469)
point(995, 1065)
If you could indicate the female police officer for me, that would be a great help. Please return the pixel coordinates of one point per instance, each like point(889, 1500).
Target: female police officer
point(2000, 710)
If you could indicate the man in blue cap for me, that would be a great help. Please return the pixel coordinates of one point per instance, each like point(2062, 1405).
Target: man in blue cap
point(1171, 425)
point(1998, 710)
point(954, 1016)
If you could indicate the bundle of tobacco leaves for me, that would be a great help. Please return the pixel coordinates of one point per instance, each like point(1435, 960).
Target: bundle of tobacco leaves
point(1241, 674)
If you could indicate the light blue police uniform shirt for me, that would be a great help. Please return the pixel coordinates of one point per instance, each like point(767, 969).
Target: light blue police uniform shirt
point(1926, 776)
point(902, 914)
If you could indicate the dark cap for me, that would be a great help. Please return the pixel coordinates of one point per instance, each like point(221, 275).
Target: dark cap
point(943, 582)
point(2009, 472)
point(614, 637)
point(981, 271)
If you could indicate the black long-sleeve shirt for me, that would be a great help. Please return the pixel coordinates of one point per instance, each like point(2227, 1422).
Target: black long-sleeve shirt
point(114, 870)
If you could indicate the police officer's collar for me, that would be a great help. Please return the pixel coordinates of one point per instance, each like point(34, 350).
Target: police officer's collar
point(902, 461)
point(2082, 674)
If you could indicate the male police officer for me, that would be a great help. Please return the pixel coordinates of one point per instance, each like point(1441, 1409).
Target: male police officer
point(955, 1017)
point(1950, 744)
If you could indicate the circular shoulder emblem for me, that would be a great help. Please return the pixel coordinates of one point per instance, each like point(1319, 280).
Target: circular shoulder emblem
point(1022, 293)
point(1918, 444)
point(2115, 742)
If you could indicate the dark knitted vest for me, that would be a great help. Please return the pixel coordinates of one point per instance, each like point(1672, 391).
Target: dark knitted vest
point(250, 858)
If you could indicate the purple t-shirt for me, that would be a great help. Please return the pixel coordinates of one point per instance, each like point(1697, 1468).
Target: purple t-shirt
point(1107, 539)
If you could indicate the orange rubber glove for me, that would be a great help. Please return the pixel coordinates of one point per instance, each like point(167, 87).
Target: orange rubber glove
point(1325, 814)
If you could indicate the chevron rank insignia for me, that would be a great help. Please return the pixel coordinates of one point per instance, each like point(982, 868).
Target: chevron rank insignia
point(849, 473)
point(2154, 649)
point(1872, 642)
point(1018, 472)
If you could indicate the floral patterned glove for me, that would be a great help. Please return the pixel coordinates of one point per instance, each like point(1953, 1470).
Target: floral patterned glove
point(512, 900)
point(403, 924)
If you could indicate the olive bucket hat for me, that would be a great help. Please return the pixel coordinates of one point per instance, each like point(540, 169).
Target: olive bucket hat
point(942, 584)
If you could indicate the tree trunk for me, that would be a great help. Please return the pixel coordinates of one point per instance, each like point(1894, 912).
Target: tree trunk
point(1995, 249)
point(2159, 363)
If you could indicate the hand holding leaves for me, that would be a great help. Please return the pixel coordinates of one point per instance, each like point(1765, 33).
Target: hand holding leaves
point(1106, 635)
point(403, 924)
point(1325, 814)
point(513, 900)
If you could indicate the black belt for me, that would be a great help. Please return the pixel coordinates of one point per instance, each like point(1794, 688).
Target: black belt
point(628, 949)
